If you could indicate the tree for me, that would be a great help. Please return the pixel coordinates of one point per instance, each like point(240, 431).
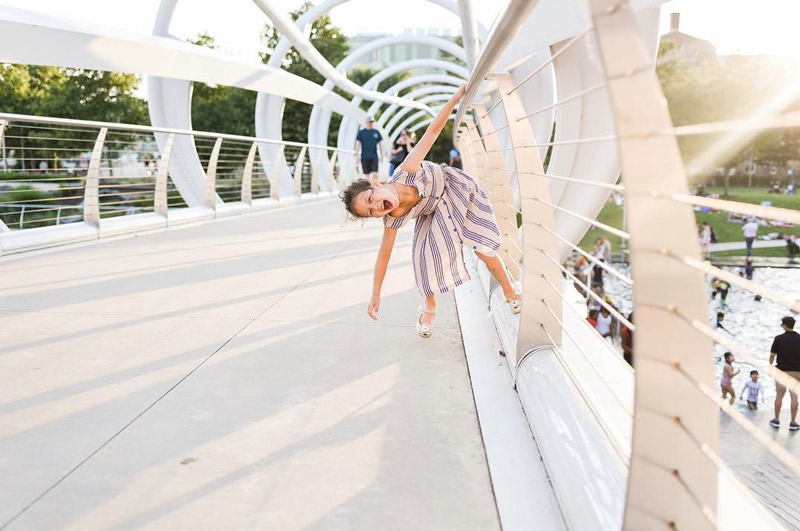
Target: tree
point(737, 88)
point(66, 93)
point(218, 108)
point(332, 44)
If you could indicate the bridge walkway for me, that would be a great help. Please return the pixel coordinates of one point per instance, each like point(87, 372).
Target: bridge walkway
point(227, 376)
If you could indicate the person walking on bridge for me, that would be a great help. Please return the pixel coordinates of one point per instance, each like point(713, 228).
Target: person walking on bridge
point(369, 148)
point(451, 212)
point(786, 351)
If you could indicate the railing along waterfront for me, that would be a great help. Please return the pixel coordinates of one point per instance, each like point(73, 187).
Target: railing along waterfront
point(608, 107)
point(76, 179)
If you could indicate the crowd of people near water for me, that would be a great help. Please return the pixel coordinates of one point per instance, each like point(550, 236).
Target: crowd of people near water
point(590, 273)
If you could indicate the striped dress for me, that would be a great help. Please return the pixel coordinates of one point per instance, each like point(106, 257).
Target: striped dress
point(453, 212)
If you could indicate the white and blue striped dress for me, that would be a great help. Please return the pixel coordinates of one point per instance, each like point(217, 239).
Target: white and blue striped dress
point(453, 212)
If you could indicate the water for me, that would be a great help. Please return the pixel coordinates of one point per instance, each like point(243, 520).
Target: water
point(751, 323)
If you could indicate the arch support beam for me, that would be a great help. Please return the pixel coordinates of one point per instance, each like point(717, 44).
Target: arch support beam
point(672, 416)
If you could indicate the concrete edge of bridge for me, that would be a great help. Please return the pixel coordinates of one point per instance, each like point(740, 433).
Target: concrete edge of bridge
point(523, 492)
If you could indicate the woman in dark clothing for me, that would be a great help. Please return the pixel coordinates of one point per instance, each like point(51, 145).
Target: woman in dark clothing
point(400, 150)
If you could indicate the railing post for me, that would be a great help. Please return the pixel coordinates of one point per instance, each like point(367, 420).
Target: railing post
point(315, 173)
point(356, 170)
point(3, 125)
point(247, 176)
point(502, 196)
point(537, 243)
point(298, 172)
point(160, 203)
point(332, 171)
point(91, 198)
point(675, 425)
point(481, 173)
point(211, 176)
point(275, 180)
point(21, 217)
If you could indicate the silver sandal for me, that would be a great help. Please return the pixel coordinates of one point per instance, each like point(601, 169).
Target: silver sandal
point(424, 330)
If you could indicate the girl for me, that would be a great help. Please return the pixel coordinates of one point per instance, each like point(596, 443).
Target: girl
point(451, 210)
point(727, 375)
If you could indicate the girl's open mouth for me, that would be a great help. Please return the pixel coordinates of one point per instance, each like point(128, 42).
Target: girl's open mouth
point(387, 205)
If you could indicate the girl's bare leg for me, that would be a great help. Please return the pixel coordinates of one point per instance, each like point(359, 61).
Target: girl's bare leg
point(495, 267)
point(427, 318)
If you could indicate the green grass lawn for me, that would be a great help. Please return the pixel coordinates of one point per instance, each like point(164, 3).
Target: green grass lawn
point(726, 232)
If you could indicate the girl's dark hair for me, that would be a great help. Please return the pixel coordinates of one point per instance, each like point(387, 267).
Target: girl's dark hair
point(348, 195)
point(727, 354)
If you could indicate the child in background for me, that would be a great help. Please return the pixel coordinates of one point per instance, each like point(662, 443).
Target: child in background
point(727, 377)
point(592, 318)
point(754, 388)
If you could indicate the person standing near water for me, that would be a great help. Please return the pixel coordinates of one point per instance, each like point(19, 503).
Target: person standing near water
point(750, 231)
point(726, 382)
point(786, 350)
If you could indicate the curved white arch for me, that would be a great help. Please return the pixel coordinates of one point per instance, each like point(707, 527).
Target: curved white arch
point(430, 89)
point(436, 94)
point(320, 64)
point(419, 63)
point(319, 123)
point(268, 106)
point(411, 119)
point(348, 129)
point(348, 136)
point(429, 78)
point(169, 105)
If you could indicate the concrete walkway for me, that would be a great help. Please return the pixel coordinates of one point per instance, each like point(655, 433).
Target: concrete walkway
point(735, 246)
point(226, 376)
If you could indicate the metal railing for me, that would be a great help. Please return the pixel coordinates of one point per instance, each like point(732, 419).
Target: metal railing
point(674, 446)
point(56, 171)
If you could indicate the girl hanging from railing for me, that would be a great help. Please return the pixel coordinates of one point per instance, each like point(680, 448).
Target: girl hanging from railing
point(451, 212)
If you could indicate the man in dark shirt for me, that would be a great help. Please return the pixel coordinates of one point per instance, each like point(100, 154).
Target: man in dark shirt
point(786, 349)
point(369, 147)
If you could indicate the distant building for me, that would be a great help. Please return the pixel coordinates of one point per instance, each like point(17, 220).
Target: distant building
point(688, 49)
point(400, 52)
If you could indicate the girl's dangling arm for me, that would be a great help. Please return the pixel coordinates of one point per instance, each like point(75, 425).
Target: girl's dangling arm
point(381, 264)
point(420, 151)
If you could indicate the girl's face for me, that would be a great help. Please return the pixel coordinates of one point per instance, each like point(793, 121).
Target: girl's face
point(377, 201)
point(729, 358)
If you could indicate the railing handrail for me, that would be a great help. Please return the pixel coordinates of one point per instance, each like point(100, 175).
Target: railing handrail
point(150, 129)
point(501, 34)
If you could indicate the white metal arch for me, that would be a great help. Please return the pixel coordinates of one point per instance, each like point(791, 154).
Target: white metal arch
point(348, 136)
point(269, 108)
point(348, 129)
point(319, 123)
point(436, 95)
point(410, 120)
point(423, 91)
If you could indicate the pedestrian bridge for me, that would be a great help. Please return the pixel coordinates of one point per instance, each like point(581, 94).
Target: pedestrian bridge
point(227, 376)
point(186, 343)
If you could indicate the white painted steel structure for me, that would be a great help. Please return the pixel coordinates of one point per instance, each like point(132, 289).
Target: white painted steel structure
point(621, 448)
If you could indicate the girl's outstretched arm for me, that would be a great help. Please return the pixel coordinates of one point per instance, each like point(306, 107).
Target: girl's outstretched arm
point(381, 264)
point(417, 155)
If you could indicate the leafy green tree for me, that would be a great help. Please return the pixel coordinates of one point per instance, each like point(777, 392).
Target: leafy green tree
point(737, 88)
point(332, 44)
point(67, 93)
point(218, 108)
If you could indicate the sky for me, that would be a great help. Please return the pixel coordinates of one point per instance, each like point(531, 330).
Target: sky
point(733, 26)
